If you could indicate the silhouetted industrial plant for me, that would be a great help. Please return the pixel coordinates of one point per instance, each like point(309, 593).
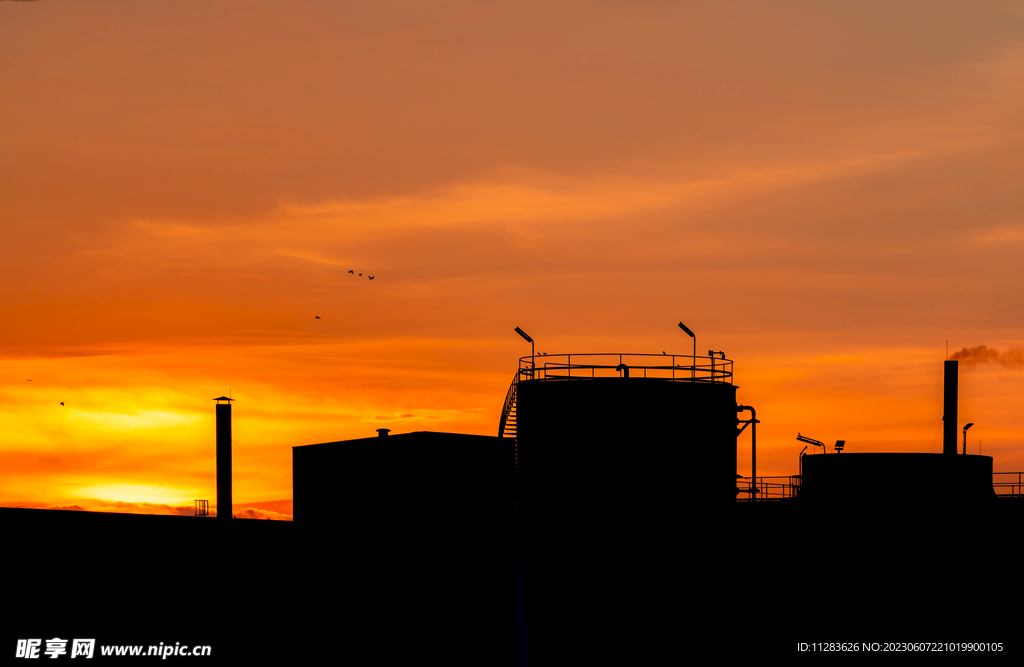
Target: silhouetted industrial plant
point(637, 537)
point(635, 533)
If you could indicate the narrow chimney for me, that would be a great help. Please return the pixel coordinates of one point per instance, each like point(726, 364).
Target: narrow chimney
point(949, 418)
point(224, 457)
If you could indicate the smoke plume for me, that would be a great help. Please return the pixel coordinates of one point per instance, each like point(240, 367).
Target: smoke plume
point(972, 356)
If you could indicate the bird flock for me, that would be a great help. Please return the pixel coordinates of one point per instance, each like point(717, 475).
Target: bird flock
point(351, 271)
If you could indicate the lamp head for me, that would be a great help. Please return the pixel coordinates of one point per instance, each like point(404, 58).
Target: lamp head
point(524, 335)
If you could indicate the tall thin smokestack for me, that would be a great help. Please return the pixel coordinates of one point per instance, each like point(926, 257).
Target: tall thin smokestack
point(949, 408)
point(224, 457)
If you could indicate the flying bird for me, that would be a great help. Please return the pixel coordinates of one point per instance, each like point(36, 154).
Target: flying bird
point(351, 271)
point(28, 380)
point(317, 317)
point(371, 277)
point(360, 274)
point(62, 402)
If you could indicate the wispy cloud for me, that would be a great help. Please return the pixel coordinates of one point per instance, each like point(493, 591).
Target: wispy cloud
point(1001, 235)
point(120, 507)
point(137, 420)
point(253, 513)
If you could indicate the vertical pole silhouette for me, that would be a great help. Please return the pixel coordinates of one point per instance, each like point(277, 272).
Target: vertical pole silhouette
point(949, 401)
point(224, 457)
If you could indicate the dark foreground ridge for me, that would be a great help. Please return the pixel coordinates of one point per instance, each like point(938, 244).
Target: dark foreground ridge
point(757, 578)
point(249, 588)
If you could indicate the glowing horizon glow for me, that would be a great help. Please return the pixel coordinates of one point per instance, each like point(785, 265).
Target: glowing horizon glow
point(827, 192)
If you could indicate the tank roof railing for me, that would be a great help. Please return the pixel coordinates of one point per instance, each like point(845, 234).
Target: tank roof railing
point(770, 488)
point(1005, 486)
point(673, 367)
point(778, 487)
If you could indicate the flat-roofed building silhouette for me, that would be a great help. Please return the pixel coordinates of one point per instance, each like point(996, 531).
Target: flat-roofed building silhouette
point(423, 480)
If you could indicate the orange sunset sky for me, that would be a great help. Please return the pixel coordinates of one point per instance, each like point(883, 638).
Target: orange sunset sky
point(827, 192)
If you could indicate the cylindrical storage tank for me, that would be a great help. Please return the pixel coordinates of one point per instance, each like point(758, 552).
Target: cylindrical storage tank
point(619, 479)
point(605, 446)
point(869, 480)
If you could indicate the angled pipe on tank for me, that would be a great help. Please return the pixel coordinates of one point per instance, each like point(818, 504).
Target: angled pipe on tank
point(753, 444)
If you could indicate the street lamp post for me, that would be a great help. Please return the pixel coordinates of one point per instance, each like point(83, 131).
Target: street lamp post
point(533, 350)
point(693, 368)
point(965, 437)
